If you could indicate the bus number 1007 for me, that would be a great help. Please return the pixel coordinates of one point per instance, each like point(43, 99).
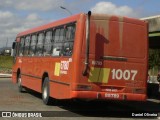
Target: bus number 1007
point(126, 74)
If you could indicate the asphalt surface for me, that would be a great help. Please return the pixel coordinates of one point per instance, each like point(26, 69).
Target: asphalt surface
point(30, 101)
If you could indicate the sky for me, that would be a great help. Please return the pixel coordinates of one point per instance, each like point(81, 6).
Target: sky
point(19, 15)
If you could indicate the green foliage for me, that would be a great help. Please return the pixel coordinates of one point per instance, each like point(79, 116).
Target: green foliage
point(6, 63)
point(154, 58)
point(154, 61)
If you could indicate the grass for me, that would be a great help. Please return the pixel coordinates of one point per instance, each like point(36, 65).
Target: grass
point(6, 63)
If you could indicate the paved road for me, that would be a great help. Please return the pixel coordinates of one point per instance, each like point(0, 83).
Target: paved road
point(12, 100)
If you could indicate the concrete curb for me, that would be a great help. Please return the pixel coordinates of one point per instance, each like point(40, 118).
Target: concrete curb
point(5, 75)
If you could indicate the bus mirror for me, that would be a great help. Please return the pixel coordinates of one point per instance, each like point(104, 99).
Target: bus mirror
point(13, 51)
point(13, 45)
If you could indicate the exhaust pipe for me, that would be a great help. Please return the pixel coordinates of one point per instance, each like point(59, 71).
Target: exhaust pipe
point(87, 43)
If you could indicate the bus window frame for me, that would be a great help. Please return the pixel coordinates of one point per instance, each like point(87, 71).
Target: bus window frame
point(17, 45)
point(17, 48)
point(54, 42)
point(48, 30)
point(40, 32)
point(21, 52)
point(64, 26)
point(27, 54)
point(65, 41)
point(34, 45)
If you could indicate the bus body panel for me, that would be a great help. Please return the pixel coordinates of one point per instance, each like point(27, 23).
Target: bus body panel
point(94, 95)
point(60, 79)
point(118, 57)
point(16, 66)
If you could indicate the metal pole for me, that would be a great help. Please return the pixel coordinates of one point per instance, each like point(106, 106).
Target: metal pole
point(66, 10)
point(7, 42)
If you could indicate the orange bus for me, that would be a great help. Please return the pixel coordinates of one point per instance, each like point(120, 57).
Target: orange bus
point(85, 56)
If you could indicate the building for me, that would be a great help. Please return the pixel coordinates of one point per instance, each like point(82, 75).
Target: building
point(5, 51)
point(154, 31)
point(154, 46)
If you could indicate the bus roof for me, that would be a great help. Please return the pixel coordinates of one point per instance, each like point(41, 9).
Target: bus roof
point(52, 24)
point(76, 17)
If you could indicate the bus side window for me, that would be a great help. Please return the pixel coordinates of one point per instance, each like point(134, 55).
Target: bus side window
point(21, 48)
point(33, 45)
point(47, 43)
point(58, 42)
point(39, 47)
point(27, 44)
point(69, 40)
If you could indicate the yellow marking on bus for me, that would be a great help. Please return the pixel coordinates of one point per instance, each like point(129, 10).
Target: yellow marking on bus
point(100, 75)
point(94, 74)
point(104, 75)
point(57, 69)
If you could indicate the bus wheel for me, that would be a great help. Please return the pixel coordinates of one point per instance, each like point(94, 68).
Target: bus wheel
point(45, 92)
point(20, 87)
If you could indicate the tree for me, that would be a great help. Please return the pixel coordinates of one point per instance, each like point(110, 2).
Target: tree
point(154, 59)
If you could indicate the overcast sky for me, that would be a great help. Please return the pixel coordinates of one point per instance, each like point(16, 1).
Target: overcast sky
point(19, 15)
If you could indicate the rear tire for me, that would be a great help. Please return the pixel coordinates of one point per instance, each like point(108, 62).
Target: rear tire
point(20, 87)
point(46, 92)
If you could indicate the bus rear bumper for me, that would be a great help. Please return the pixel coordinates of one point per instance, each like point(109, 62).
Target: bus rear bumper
point(108, 96)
